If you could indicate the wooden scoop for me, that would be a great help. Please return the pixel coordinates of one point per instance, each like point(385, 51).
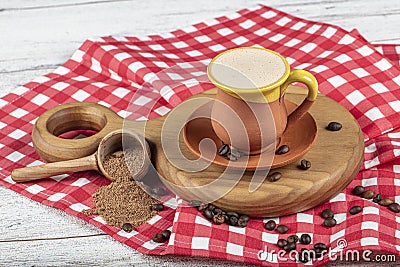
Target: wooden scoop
point(114, 141)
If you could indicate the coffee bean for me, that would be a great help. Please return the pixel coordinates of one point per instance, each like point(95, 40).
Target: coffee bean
point(195, 203)
point(368, 194)
point(282, 242)
point(236, 153)
point(208, 214)
point(377, 198)
point(233, 220)
point(244, 217)
point(282, 150)
point(242, 222)
point(358, 190)
point(166, 234)
point(304, 255)
point(202, 206)
point(232, 213)
point(305, 239)
point(274, 177)
point(355, 210)
point(157, 207)
point(159, 191)
point(320, 246)
point(127, 227)
point(223, 150)
point(219, 219)
point(282, 229)
point(218, 211)
point(334, 126)
point(395, 207)
point(211, 207)
point(385, 202)
point(270, 225)
point(327, 213)
point(231, 157)
point(329, 222)
point(305, 164)
point(289, 247)
point(317, 253)
point(158, 238)
point(293, 239)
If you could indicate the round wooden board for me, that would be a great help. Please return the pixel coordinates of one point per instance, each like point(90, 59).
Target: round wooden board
point(336, 158)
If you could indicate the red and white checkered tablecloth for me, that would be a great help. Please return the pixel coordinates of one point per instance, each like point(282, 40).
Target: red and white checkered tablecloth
point(110, 70)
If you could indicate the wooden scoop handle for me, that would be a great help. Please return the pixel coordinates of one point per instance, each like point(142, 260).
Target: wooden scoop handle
point(46, 170)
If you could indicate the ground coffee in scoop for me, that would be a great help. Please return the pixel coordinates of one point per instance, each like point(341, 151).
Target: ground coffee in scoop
point(123, 201)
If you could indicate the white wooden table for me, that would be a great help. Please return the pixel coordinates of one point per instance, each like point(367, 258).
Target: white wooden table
point(37, 36)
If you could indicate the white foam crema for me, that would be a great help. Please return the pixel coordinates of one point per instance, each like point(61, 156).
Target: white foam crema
point(247, 68)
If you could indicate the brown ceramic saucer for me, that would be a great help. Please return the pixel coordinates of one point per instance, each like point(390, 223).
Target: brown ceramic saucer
point(300, 138)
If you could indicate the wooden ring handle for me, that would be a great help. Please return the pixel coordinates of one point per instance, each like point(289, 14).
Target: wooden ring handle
point(68, 117)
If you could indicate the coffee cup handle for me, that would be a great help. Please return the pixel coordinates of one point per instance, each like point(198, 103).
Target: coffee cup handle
point(309, 80)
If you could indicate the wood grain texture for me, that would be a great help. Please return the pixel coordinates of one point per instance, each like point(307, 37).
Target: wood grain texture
point(36, 41)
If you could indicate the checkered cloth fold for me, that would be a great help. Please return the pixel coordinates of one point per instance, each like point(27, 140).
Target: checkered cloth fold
point(111, 70)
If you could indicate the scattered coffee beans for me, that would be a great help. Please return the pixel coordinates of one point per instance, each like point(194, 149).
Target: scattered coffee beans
point(223, 150)
point(292, 239)
point(304, 164)
point(127, 227)
point(158, 238)
point(385, 202)
point(329, 222)
point(289, 247)
point(208, 214)
point(218, 211)
point(282, 150)
point(232, 213)
point(358, 190)
point(303, 256)
point(211, 207)
point(232, 157)
point(282, 229)
point(368, 194)
point(219, 219)
point(242, 222)
point(244, 217)
point(195, 203)
point(395, 207)
point(274, 177)
point(334, 126)
point(236, 153)
point(355, 210)
point(233, 220)
point(282, 242)
point(166, 234)
point(377, 198)
point(202, 206)
point(327, 213)
point(219, 216)
point(270, 225)
point(320, 246)
point(157, 207)
point(305, 239)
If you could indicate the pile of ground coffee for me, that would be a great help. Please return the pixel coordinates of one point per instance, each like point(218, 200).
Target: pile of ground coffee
point(123, 201)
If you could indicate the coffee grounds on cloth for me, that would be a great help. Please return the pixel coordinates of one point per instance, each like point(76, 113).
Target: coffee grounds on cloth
point(123, 201)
